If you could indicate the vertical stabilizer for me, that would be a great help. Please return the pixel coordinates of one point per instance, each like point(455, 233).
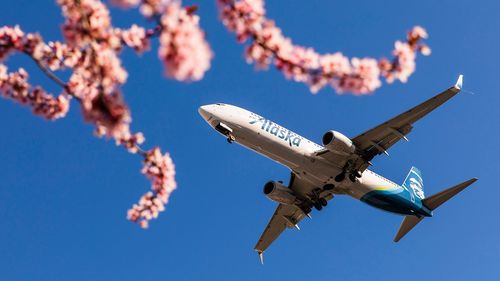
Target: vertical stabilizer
point(414, 183)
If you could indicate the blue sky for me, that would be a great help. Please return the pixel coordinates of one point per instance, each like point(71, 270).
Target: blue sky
point(64, 194)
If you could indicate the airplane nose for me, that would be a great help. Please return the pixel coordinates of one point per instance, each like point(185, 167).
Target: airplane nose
point(203, 110)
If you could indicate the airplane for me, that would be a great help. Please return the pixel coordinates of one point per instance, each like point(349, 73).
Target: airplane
point(337, 167)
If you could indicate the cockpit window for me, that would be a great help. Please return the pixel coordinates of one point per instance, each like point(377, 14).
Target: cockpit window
point(221, 104)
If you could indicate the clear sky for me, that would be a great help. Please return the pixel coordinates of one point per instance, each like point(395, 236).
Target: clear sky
point(64, 194)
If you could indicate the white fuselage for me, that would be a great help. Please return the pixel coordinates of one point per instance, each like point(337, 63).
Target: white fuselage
point(290, 149)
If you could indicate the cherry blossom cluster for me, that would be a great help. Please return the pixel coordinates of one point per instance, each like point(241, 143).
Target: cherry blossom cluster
point(15, 86)
point(403, 64)
point(90, 51)
point(183, 49)
point(247, 19)
point(161, 171)
point(11, 39)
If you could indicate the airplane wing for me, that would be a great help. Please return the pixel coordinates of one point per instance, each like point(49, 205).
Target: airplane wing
point(285, 216)
point(380, 138)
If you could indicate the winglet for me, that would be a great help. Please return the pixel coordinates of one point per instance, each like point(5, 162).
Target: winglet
point(460, 82)
point(261, 256)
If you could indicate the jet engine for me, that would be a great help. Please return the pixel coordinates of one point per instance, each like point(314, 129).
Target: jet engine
point(336, 141)
point(279, 193)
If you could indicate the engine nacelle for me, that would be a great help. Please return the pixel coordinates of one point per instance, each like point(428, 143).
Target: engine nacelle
point(279, 193)
point(336, 141)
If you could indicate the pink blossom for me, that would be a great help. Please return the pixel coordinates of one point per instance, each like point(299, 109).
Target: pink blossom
point(414, 40)
point(242, 17)
point(108, 66)
point(3, 74)
point(404, 62)
point(95, 81)
point(135, 37)
point(109, 113)
point(417, 32)
point(86, 20)
point(47, 106)
point(246, 18)
point(56, 55)
point(15, 86)
point(131, 141)
point(183, 49)
point(98, 71)
point(299, 63)
point(161, 171)
point(335, 64)
point(425, 50)
point(363, 79)
point(10, 38)
point(259, 55)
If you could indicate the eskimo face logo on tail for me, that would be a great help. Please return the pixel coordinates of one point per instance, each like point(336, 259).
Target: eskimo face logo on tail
point(274, 129)
point(416, 186)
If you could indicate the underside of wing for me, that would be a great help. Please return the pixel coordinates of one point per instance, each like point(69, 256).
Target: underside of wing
point(285, 216)
point(379, 139)
point(338, 159)
point(289, 215)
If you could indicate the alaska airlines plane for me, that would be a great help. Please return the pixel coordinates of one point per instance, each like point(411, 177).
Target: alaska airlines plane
point(340, 166)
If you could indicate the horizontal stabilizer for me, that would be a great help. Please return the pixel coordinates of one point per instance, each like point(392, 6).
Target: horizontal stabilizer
point(437, 199)
point(408, 224)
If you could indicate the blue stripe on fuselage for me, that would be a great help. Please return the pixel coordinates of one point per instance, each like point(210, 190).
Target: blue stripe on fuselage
point(399, 203)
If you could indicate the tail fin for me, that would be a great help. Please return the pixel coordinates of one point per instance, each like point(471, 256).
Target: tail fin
point(436, 200)
point(414, 183)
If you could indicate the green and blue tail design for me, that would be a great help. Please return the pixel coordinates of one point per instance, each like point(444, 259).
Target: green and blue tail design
point(414, 184)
